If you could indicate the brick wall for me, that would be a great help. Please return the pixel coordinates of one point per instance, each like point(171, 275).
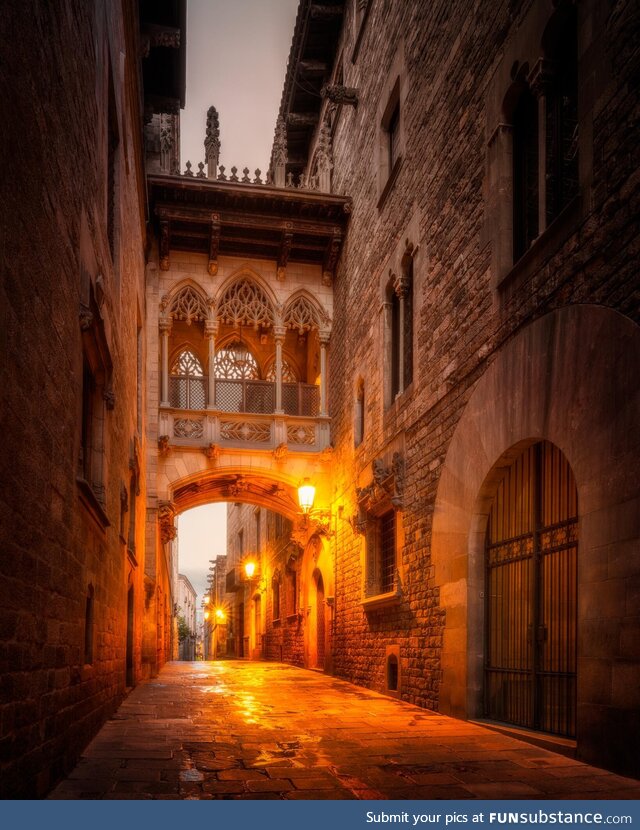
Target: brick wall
point(54, 247)
point(450, 64)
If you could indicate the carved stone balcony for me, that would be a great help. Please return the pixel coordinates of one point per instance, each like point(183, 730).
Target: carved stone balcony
point(254, 396)
point(214, 430)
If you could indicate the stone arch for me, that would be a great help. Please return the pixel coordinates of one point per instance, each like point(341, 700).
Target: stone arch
point(186, 301)
point(235, 483)
point(569, 378)
point(245, 298)
point(303, 313)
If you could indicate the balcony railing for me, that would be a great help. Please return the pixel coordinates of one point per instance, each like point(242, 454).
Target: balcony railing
point(205, 428)
point(251, 396)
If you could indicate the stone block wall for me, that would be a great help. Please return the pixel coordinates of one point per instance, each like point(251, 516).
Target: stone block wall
point(452, 64)
point(56, 544)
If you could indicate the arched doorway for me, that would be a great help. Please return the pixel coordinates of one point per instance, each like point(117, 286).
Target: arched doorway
point(320, 621)
point(531, 594)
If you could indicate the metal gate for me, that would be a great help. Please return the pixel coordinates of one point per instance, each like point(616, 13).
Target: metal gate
point(531, 594)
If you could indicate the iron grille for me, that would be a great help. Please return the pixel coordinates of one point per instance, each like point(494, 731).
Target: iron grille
point(187, 392)
point(259, 397)
point(531, 561)
point(387, 551)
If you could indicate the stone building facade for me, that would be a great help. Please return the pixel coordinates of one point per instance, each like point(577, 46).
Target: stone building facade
point(76, 585)
point(484, 358)
point(427, 308)
point(186, 609)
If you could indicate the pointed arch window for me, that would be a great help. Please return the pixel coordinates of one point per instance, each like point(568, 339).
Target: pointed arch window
point(289, 374)
point(187, 387)
point(235, 362)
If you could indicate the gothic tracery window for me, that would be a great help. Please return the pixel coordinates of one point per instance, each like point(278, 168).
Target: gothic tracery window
point(288, 372)
point(235, 362)
point(187, 383)
point(244, 303)
point(188, 305)
point(301, 315)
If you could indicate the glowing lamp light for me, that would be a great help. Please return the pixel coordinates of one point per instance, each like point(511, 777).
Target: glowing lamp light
point(219, 614)
point(306, 496)
point(249, 569)
point(206, 599)
point(206, 615)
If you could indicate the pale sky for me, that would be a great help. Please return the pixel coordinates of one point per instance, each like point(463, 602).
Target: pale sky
point(202, 535)
point(237, 54)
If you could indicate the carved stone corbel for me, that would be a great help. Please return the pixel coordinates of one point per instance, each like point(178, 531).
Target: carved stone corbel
point(166, 520)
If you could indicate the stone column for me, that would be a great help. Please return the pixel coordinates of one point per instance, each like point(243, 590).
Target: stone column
point(165, 331)
point(279, 333)
point(540, 81)
point(401, 286)
point(210, 332)
point(324, 342)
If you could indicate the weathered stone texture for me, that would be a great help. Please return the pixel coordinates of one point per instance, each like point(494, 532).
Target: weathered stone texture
point(449, 55)
point(54, 245)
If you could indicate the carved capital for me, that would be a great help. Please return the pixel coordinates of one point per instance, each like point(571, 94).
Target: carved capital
point(211, 328)
point(163, 445)
point(164, 324)
point(400, 284)
point(279, 333)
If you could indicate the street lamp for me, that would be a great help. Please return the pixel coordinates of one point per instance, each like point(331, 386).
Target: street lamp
point(306, 496)
point(249, 568)
point(321, 517)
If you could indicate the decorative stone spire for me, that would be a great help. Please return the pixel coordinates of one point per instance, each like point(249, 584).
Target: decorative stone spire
point(166, 143)
point(280, 153)
point(324, 159)
point(212, 142)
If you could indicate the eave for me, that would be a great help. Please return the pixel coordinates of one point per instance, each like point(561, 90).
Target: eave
point(253, 221)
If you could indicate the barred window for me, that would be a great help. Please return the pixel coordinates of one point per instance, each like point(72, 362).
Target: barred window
point(381, 554)
point(187, 388)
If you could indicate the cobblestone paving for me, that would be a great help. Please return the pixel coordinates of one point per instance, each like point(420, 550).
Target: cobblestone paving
point(237, 730)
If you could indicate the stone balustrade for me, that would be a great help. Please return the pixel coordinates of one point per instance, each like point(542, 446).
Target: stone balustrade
point(212, 431)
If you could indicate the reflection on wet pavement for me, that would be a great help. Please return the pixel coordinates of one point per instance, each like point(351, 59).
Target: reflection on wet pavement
point(237, 730)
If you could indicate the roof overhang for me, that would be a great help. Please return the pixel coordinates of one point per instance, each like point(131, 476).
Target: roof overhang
point(249, 220)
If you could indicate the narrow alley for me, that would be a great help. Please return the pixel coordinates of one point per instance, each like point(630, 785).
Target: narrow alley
point(251, 730)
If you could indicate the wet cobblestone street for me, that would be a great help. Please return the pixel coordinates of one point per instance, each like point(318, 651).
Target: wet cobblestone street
point(247, 730)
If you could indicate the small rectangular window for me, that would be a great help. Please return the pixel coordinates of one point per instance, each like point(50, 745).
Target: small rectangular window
point(393, 131)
